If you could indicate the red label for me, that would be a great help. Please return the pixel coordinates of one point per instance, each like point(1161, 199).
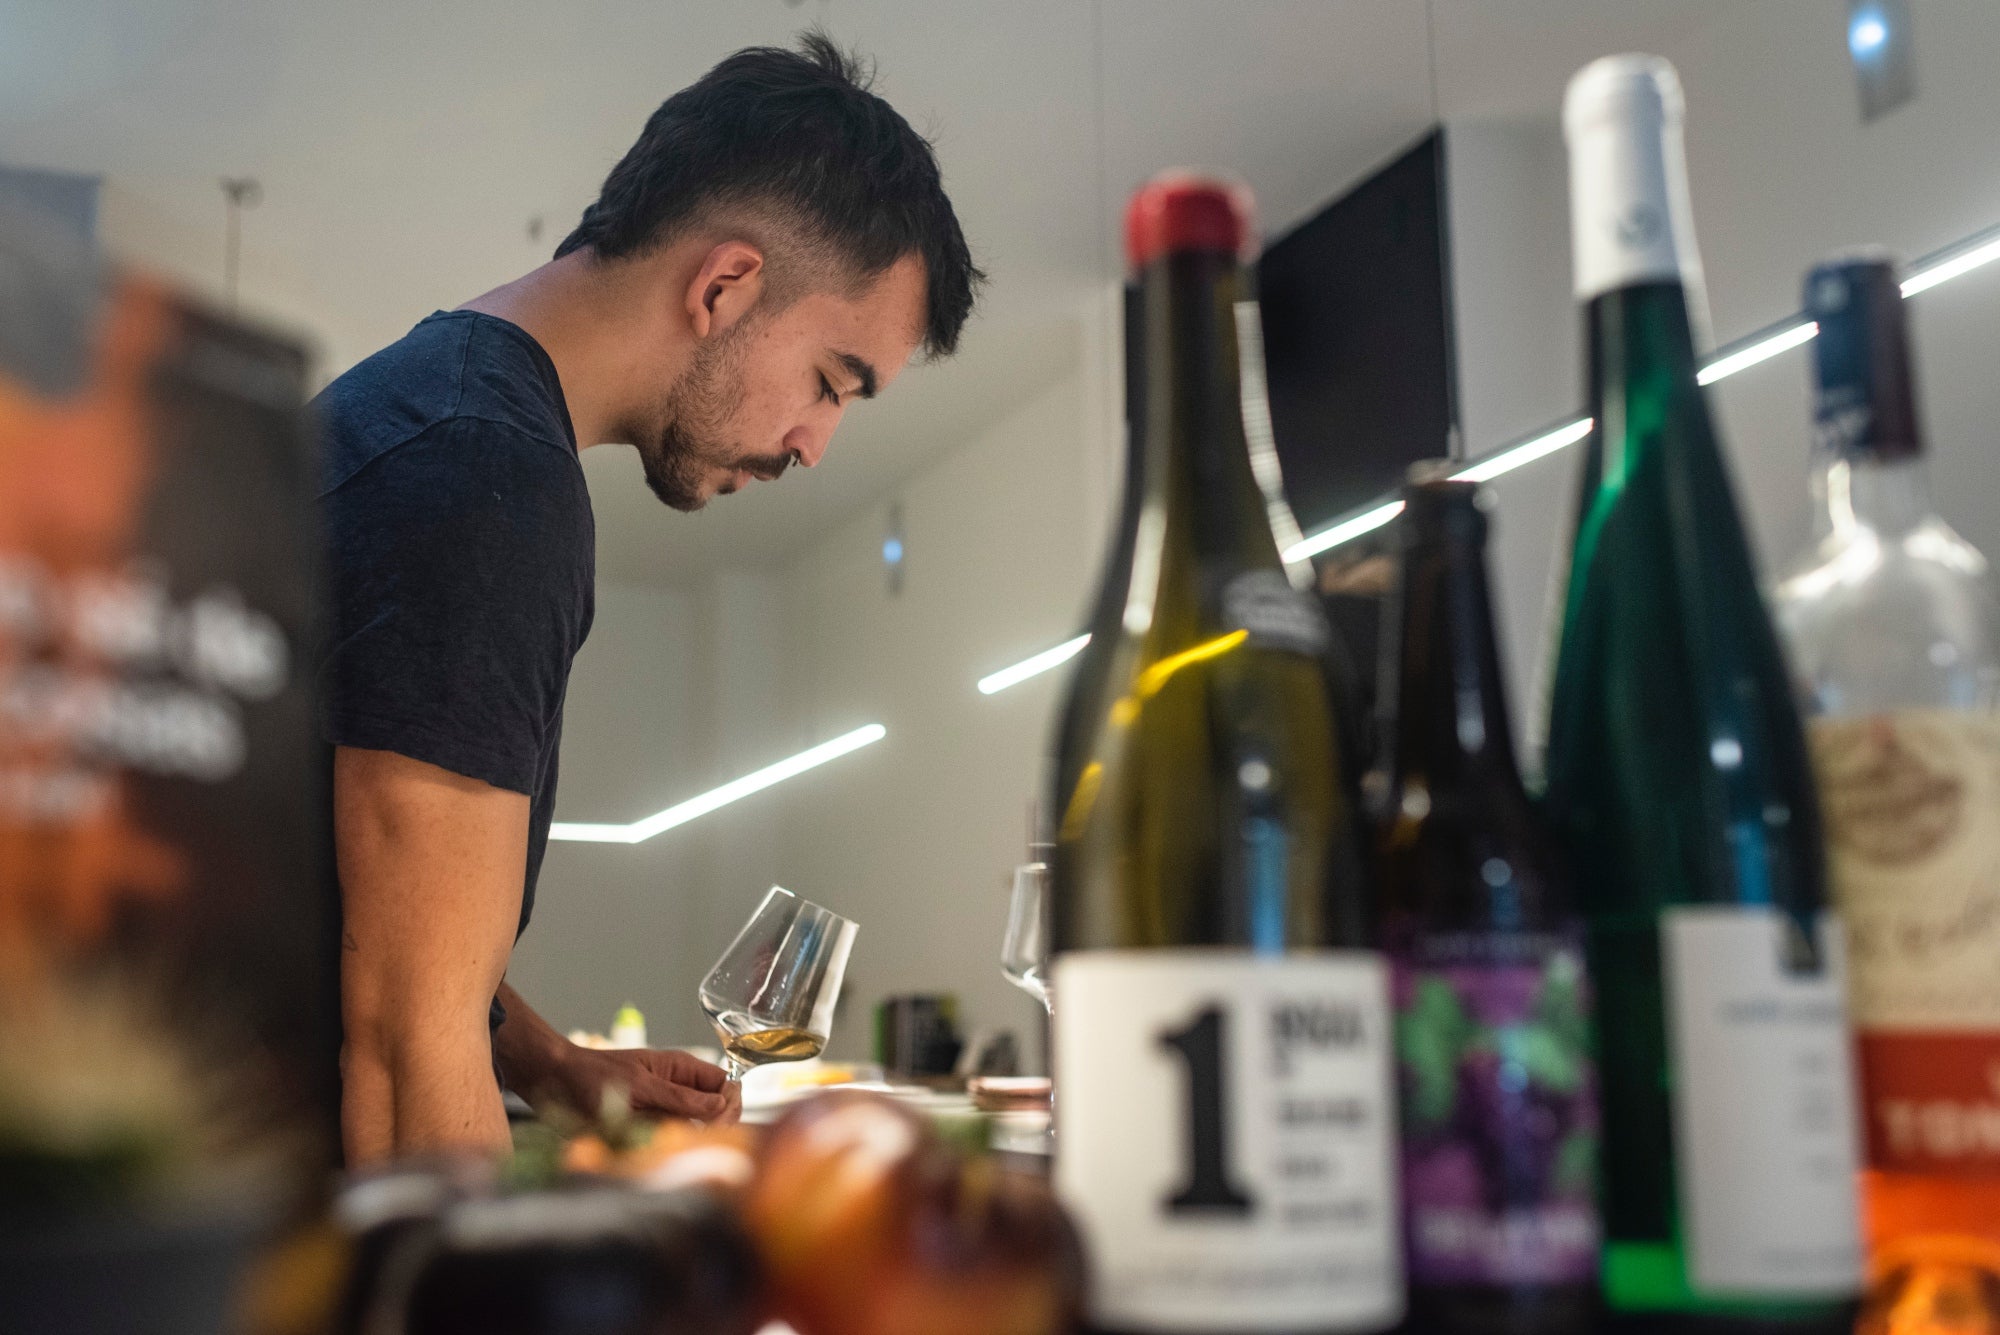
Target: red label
point(1933, 1101)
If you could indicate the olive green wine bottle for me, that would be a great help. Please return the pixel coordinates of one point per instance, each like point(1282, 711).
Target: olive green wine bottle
point(1221, 1036)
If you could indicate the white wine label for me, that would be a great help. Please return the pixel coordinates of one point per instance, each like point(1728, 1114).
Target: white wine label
point(1763, 1105)
point(1225, 1136)
point(1912, 803)
point(1274, 615)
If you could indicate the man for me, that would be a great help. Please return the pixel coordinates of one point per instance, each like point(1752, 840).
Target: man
point(776, 246)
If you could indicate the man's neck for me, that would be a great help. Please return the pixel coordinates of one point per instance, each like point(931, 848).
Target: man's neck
point(598, 328)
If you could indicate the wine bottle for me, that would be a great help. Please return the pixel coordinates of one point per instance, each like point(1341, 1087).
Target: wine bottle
point(1498, 1084)
point(1895, 637)
point(1085, 698)
point(1224, 1114)
point(1678, 780)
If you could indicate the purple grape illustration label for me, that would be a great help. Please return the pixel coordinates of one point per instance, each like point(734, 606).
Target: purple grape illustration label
point(1499, 1108)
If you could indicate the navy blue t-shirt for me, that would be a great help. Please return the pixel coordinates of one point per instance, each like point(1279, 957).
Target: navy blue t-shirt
point(462, 558)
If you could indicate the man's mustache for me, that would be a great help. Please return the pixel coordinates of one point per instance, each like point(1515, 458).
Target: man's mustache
point(769, 467)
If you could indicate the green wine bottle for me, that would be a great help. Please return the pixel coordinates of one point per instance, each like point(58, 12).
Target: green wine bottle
point(1677, 776)
point(1225, 1125)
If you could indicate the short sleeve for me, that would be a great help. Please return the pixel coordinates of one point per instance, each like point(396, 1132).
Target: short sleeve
point(459, 582)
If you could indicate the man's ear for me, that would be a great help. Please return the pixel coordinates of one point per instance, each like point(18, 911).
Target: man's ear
point(729, 282)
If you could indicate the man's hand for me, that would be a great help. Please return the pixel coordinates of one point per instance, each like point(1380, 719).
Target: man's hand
point(545, 1068)
point(654, 1081)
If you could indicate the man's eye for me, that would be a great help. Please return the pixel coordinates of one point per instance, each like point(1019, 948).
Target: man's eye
point(826, 390)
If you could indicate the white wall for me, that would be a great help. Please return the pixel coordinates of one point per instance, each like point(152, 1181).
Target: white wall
point(609, 924)
point(1507, 221)
point(675, 692)
point(916, 836)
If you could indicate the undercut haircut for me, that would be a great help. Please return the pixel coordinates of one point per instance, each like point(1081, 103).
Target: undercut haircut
point(797, 142)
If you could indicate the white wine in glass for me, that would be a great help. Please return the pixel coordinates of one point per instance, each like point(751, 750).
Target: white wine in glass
point(771, 995)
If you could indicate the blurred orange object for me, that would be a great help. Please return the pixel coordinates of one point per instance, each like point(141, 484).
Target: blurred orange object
point(869, 1224)
point(1933, 1253)
point(684, 1154)
point(1951, 1291)
point(586, 1154)
point(671, 1154)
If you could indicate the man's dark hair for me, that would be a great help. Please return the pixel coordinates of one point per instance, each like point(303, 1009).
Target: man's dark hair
point(798, 137)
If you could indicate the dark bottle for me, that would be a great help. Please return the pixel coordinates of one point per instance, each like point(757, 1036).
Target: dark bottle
point(1221, 1041)
point(590, 1260)
point(1679, 783)
point(386, 1217)
point(1498, 1091)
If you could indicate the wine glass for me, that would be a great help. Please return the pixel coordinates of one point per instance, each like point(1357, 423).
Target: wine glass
point(770, 996)
point(1024, 951)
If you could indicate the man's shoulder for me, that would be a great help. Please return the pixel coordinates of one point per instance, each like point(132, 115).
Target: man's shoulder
point(456, 376)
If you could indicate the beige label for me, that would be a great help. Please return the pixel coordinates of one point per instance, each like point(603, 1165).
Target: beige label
point(1912, 803)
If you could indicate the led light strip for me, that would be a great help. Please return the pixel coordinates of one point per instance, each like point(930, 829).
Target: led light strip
point(681, 813)
point(1031, 667)
point(1941, 266)
point(1759, 347)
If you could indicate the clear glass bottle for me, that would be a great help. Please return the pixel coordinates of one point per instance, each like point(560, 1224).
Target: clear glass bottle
point(1894, 632)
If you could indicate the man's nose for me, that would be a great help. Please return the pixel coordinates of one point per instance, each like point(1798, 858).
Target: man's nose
point(808, 444)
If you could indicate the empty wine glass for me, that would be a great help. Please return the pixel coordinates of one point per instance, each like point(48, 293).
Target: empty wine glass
point(771, 995)
point(1024, 951)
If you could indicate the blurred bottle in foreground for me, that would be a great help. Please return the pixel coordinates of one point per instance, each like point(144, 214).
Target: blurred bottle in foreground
point(1221, 1033)
point(1498, 1091)
point(169, 1029)
point(1680, 785)
point(1895, 638)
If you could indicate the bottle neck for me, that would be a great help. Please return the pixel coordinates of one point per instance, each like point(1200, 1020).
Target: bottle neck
point(1452, 728)
point(1865, 423)
point(1885, 496)
point(1195, 467)
point(1641, 358)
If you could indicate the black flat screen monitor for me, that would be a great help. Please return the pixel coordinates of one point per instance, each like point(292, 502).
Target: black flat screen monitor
point(1357, 338)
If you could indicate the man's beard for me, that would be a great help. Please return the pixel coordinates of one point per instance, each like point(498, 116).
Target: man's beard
point(691, 441)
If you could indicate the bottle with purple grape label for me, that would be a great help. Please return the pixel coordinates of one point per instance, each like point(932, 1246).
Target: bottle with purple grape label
point(1497, 1087)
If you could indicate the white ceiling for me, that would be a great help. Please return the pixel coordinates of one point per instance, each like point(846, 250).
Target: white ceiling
point(404, 148)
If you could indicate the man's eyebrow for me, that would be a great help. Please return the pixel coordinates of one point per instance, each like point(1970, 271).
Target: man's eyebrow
point(861, 370)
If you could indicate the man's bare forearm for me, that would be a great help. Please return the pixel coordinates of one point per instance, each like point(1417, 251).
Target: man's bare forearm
point(553, 1073)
